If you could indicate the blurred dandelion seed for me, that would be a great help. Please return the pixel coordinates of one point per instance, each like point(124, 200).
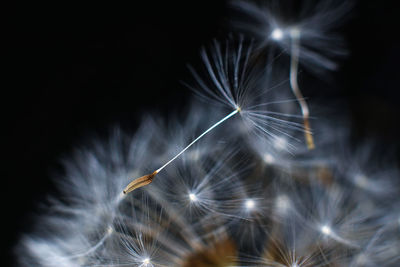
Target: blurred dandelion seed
point(307, 37)
point(238, 92)
point(294, 69)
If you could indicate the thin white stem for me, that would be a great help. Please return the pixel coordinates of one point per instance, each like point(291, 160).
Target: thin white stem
point(294, 66)
point(200, 136)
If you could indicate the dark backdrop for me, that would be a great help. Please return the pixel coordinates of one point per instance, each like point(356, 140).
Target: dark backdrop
point(73, 72)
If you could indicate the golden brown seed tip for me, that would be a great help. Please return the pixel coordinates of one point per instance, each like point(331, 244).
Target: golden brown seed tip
point(139, 182)
point(308, 135)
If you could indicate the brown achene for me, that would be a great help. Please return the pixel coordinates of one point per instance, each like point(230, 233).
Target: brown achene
point(139, 182)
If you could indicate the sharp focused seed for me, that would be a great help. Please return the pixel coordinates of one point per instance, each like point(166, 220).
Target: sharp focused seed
point(140, 182)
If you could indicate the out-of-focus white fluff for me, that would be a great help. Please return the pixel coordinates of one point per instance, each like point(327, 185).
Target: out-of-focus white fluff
point(315, 23)
point(233, 198)
point(299, 210)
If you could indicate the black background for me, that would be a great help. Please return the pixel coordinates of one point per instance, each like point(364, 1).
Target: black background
point(73, 72)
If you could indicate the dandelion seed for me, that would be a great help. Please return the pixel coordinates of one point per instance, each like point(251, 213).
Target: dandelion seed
point(147, 179)
point(311, 29)
point(294, 66)
point(238, 87)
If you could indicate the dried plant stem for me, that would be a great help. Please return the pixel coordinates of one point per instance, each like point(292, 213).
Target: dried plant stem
point(294, 67)
point(147, 179)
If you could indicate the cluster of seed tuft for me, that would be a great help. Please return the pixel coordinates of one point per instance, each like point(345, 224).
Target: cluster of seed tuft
point(258, 188)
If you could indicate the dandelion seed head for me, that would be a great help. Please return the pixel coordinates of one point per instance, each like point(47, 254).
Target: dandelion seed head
point(213, 206)
point(230, 80)
point(319, 44)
